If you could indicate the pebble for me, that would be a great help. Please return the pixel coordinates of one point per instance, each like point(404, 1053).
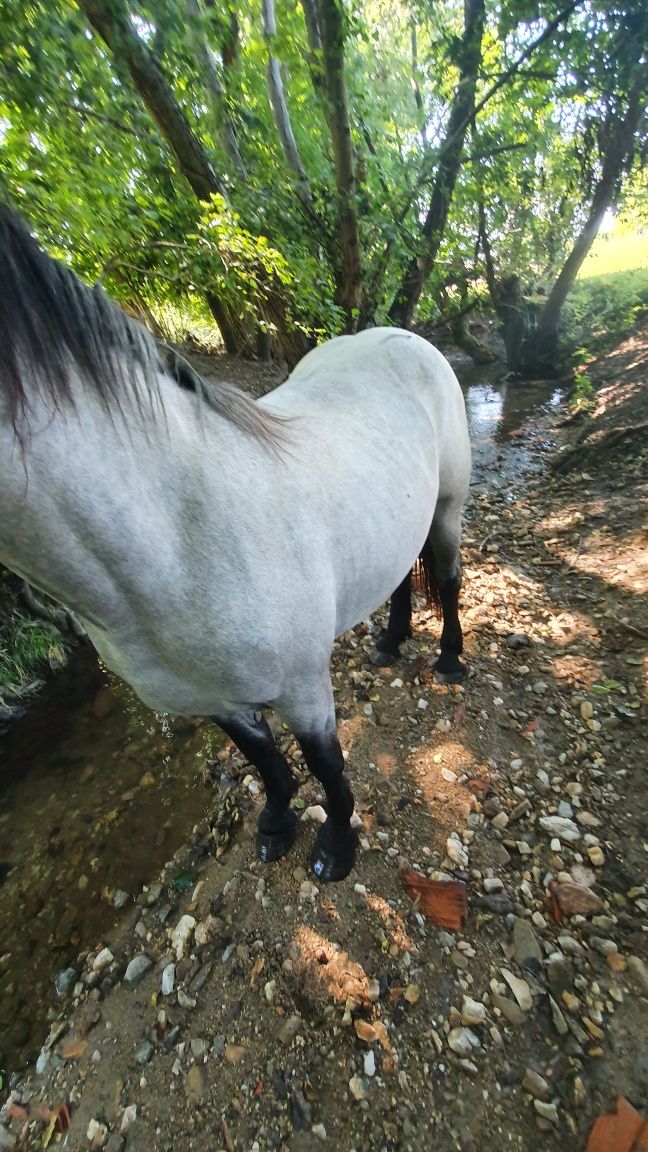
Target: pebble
point(639, 970)
point(289, 1029)
point(500, 821)
point(559, 1022)
point(456, 852)
point(96, 1134)
point(369, 1064)
point(473, 1011)
point(535, 1084)
point(528, 952)
point(492, 884)
point(520, 990)
point(300, 1111)
point(586, 710)
point(463, 1041)
point(560, 826)
point(102, 960)
point(547, 1111)
point(65, 981)
point(357, 1088)
point(137, 969)
point(144, 1053)
point(195, 1082)
point(596, 856)
point(577, 900)
point(181, 935)
point(129, 1117)
point(316, 813)
point(319, 1130)
point(308, 890)
point(509, 1009)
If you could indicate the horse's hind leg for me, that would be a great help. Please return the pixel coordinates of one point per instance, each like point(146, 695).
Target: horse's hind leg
point(277, 824)
point(399, 627)
point(443, 557)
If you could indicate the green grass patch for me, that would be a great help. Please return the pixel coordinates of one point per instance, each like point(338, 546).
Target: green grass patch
point(617, 251)
point(26, 647)
point(601, 309)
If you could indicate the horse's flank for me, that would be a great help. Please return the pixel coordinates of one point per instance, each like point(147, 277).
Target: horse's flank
point(54, 329)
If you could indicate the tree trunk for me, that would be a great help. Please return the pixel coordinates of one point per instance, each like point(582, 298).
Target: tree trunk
point(618, 156)
point(279, 106)
point(215, 92)
point(324, 24)
point(110, 20)
point(462, 110)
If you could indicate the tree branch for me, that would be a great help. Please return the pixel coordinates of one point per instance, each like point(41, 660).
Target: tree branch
point(215, 91)
point(279, 106)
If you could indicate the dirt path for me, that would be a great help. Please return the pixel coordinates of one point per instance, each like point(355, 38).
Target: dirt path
point(266, 1013)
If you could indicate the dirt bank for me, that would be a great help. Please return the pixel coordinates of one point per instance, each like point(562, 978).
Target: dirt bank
point(283, 1015)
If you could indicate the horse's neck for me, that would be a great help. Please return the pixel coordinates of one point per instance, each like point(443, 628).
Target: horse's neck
point(86, 499)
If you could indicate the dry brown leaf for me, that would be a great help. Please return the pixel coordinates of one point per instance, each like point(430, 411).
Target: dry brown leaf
point(71, 1048)
point(257, 969)
point(365, 1031)
point(622, 1131)
point(443, 902)
point(381, 1034)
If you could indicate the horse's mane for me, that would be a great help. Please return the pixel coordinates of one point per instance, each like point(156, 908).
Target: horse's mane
point(50, 321)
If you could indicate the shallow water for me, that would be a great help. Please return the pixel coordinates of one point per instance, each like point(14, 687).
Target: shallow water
point(97, 792)
point(500, 418)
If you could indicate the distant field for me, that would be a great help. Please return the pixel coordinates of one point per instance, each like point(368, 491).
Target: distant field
point(616, 252)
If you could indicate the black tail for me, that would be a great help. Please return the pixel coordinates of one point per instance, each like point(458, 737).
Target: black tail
point(424, 577)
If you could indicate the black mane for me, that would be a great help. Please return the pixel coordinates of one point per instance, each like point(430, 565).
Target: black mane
point(50, 321)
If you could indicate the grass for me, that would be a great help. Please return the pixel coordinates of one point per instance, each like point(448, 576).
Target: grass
point(26, 647)
point(616, 251)
point(610, 294)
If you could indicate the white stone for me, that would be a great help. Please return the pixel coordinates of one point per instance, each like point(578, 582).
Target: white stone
point(182, 934)
point(102, 960)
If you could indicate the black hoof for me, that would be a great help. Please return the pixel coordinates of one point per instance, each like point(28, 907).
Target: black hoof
point(382, 659)
point(450, 671)
point(334, 853)
point(273, 845)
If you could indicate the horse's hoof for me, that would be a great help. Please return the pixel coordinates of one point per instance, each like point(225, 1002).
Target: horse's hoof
point(333, 861)
point(451, 675)
point(382, 659)
point(274, 845)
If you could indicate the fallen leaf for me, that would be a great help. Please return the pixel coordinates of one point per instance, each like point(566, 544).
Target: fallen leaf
point(257, 969)
point(72, 1048)
point(622, 1131)
point(532, 726)
point(365, 1031)
point(17, 1112)
point(381, 1035)
point(442, 902)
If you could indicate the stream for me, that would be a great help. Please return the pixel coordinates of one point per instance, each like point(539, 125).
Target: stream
point(97, 792)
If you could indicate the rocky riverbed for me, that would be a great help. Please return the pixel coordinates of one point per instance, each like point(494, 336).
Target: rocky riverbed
point(244, 1007)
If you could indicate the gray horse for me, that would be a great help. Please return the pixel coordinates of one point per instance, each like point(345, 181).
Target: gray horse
point(214, 547)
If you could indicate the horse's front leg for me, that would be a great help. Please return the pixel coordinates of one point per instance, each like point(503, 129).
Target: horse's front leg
point(335, 847)
point(277, 824)
point(311, 716)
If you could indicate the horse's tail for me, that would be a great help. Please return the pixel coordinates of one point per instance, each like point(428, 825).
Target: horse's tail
point(424, 577)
